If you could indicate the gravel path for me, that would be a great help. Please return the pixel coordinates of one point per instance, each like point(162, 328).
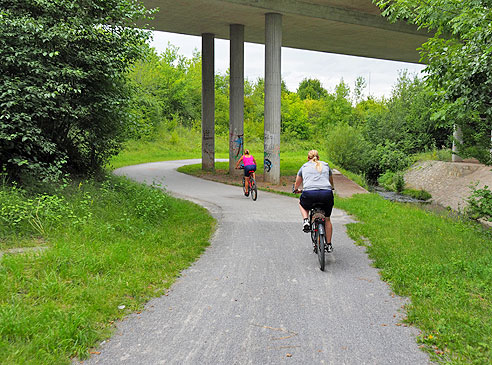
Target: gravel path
point(257, 296)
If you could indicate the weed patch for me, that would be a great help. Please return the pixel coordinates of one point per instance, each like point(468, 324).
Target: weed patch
point(113, 245)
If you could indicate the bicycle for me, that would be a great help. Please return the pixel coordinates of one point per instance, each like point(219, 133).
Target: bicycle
point(252, 188)
point(317, 229)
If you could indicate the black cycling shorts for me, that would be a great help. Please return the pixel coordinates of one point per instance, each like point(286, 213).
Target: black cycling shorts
point(249, 168)
point(310, 197)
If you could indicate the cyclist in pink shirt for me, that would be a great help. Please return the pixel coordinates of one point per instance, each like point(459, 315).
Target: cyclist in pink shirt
point(249, 163)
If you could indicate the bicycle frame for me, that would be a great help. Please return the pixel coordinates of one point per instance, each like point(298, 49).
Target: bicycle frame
point(252, 189)
point(317, 219)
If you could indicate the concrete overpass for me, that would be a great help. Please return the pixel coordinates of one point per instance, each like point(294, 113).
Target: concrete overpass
point(351, 27)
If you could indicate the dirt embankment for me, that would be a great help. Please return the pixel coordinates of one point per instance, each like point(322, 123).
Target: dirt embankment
point(449, 182)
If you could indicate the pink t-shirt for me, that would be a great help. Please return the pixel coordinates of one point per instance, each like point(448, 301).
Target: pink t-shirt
point(248, 160)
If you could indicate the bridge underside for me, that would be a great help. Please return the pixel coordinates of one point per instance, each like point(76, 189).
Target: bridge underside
point(350, 27)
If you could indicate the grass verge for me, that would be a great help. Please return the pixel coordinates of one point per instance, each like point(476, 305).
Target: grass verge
point(442, 264)
point(111, 246)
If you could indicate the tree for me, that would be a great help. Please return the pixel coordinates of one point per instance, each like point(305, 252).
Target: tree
point(360, 85)
point(63, 92)
point(311, 89)
point(294, 117)
point(459, 62)
point(337, 108)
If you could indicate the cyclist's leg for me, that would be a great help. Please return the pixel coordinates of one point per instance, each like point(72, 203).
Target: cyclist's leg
point(304, 212)
point(328, 209)
point(328, 229)
point(304, 206)
point(246, 184)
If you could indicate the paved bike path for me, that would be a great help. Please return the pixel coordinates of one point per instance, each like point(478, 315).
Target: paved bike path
point(257, 296)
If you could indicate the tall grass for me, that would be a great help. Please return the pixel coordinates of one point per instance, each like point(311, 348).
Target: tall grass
point(110, 247)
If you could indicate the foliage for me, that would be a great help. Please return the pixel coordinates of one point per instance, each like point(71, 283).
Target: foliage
point(62, 85)
point(311, 89)
point(360, 85)
point(406, 119)
point(435, 154)
point(167, 87)
point(417, 194)
point(347, 147)
point(399, 182)
point(294, 118)
point(23, 214)
point(459, 63)
point(480, 203)
point(393, 181)
point(222, 104)
point(336, 107)
point(125, 249)
point(254, 99)
point(385, 157)
point(171, 141)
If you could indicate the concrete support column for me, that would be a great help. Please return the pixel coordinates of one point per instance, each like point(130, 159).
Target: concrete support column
point(457, 137)
point(273, 44)
point(236, 97)
point(208, 102)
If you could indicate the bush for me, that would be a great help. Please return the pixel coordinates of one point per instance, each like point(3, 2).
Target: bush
point(383, 158)
point(480, 203)
point(347, 148)
point(393, 181)
point(417, 194)
point(399, 182)
point(63, 93)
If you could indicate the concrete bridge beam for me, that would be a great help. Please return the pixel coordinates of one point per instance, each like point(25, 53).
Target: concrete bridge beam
point(273, 44)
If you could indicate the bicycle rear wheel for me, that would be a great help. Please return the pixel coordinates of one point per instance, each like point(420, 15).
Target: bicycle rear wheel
point(313, 234)
point(254, 189)
point(320, 246)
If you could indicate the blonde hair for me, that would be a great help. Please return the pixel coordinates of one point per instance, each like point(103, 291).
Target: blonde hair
point(314, 157)
point(246, 152)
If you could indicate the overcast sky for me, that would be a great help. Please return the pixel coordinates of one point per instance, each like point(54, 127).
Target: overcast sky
point(381, 75)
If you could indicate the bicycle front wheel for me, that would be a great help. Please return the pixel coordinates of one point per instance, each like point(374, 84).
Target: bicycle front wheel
point(320, 246)
point(254, 190)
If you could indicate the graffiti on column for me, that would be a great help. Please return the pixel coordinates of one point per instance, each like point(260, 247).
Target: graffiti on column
point(238, 145)
point(272, 151)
